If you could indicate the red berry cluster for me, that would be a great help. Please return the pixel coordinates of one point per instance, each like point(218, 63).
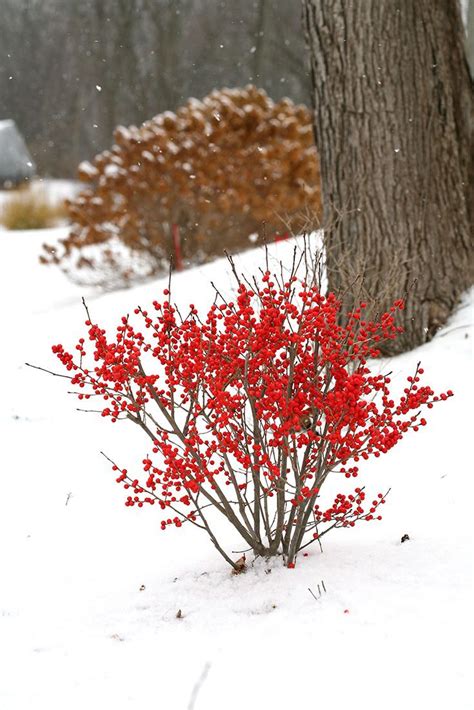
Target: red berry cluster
point(249, 409)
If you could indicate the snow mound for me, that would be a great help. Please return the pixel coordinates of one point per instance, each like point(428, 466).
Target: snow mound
point(91, 590)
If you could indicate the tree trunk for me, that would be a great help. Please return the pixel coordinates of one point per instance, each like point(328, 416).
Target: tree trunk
point(469, 41)
point(393, 115)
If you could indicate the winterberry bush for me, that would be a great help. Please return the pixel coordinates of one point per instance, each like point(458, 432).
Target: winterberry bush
point(249, 408)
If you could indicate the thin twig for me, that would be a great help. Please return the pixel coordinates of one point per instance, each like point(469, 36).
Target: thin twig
point(86, 309)
point(446, 332)
point(198, 685)
point(50, 372)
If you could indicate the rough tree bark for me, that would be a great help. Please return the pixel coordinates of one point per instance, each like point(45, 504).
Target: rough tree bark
point(393, 116)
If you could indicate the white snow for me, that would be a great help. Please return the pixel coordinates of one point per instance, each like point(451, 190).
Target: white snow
point(87, 169)
point(55, 190)
point(112, 170)
point(77, 628)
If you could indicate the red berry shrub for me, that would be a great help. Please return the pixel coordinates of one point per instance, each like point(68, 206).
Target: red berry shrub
point(251, 408)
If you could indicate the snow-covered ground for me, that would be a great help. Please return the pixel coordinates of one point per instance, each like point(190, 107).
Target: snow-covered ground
point(56, 190)
point(89, 589)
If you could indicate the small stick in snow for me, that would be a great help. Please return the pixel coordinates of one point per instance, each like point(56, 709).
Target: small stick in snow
point(69, 496)
point(317, 598)
point(446, 332)
point(198, 685)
